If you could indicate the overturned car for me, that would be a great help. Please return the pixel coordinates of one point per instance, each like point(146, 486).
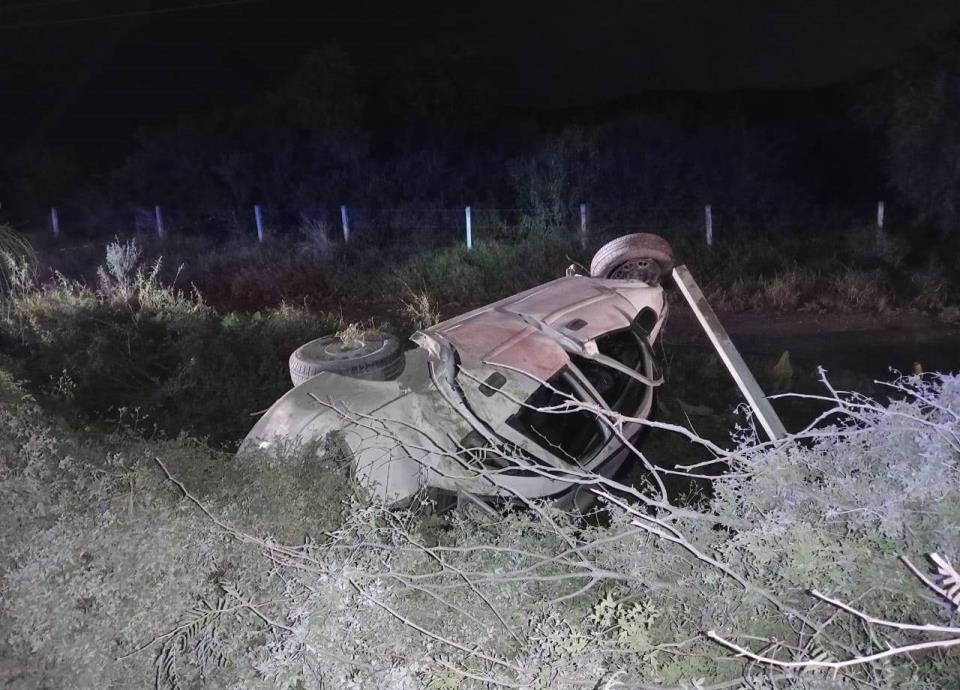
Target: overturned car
point(514, 400)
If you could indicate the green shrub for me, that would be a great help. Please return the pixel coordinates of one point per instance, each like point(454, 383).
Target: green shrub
point(17, 258)
point(777, 270)
point(490, 271)
point(287, 581)
point(135, 342)
point(101, 554)
point(112, 578)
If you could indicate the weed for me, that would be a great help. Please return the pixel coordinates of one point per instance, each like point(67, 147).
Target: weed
point(311, 582)
point(122, 260)
point(931, 288)
point(779, 271)
point(862, 291)
point(352, 335)
point(785, 290)
point(420, 308)
point(20, 273)
point(138, 342)
point(17, 260)
point(951, 315)
point(151, 591)
point(316, 236)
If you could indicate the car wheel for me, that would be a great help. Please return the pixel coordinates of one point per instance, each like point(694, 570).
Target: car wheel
point(578, 500)
point(581, 498)
point(374, 356)
point(640, 256)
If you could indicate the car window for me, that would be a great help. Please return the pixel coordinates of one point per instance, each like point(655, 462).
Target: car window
point(573, 436)
point(579, 435)
point(622, 393)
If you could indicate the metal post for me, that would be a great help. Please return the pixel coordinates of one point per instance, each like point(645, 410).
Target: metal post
point(158, 215)
point(258, 216)
point(469, 229)
point(728, 353)
point(584, 221)
point(708, 216)
point(345, 221)
point(54, 222)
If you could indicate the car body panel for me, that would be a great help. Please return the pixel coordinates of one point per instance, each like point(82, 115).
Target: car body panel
point(409, 434)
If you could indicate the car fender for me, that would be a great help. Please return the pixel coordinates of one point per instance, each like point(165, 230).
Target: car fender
point(381, 423)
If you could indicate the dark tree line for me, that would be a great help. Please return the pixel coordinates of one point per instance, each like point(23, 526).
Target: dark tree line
point(337, 133)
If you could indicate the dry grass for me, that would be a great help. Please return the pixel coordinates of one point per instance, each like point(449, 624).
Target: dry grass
point(864, 291)
point(784, 291)
point(420, 309)
point(352, 335)
point(410, 289)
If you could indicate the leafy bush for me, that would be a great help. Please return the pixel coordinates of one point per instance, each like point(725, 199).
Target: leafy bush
point(265, 572)
point(490, 271)
point(369, 281)
point(99, 550)
point(316, 234)
point(169, 562)
point(137, 342)
point(17, 258)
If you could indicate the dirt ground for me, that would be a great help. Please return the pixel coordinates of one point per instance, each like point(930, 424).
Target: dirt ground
point(864, 343)
point(857, 350)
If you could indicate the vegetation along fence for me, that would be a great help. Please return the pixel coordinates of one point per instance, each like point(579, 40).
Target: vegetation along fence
point(417, 225)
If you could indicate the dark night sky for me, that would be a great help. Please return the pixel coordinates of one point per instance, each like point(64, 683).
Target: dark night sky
point(71, 75)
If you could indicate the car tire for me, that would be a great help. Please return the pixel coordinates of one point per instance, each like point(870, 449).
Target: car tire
point(377, 357)
point(578, 500)
point(640, 256)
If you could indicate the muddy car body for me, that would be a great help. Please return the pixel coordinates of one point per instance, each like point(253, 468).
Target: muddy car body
point(497, 403)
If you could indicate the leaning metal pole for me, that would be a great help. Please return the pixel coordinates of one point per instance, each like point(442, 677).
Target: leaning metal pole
point(728, 353)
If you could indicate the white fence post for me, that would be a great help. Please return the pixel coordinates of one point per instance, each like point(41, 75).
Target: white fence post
point(584, 222)
point(469, 228)
point(258, 216)
point(708, 216)
point(54, 222)
point(158, 215)
point(345, 221)
point(878, 236)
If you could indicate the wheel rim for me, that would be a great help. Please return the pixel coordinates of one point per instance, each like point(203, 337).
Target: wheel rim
point(340, 350)
point(641, 268)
